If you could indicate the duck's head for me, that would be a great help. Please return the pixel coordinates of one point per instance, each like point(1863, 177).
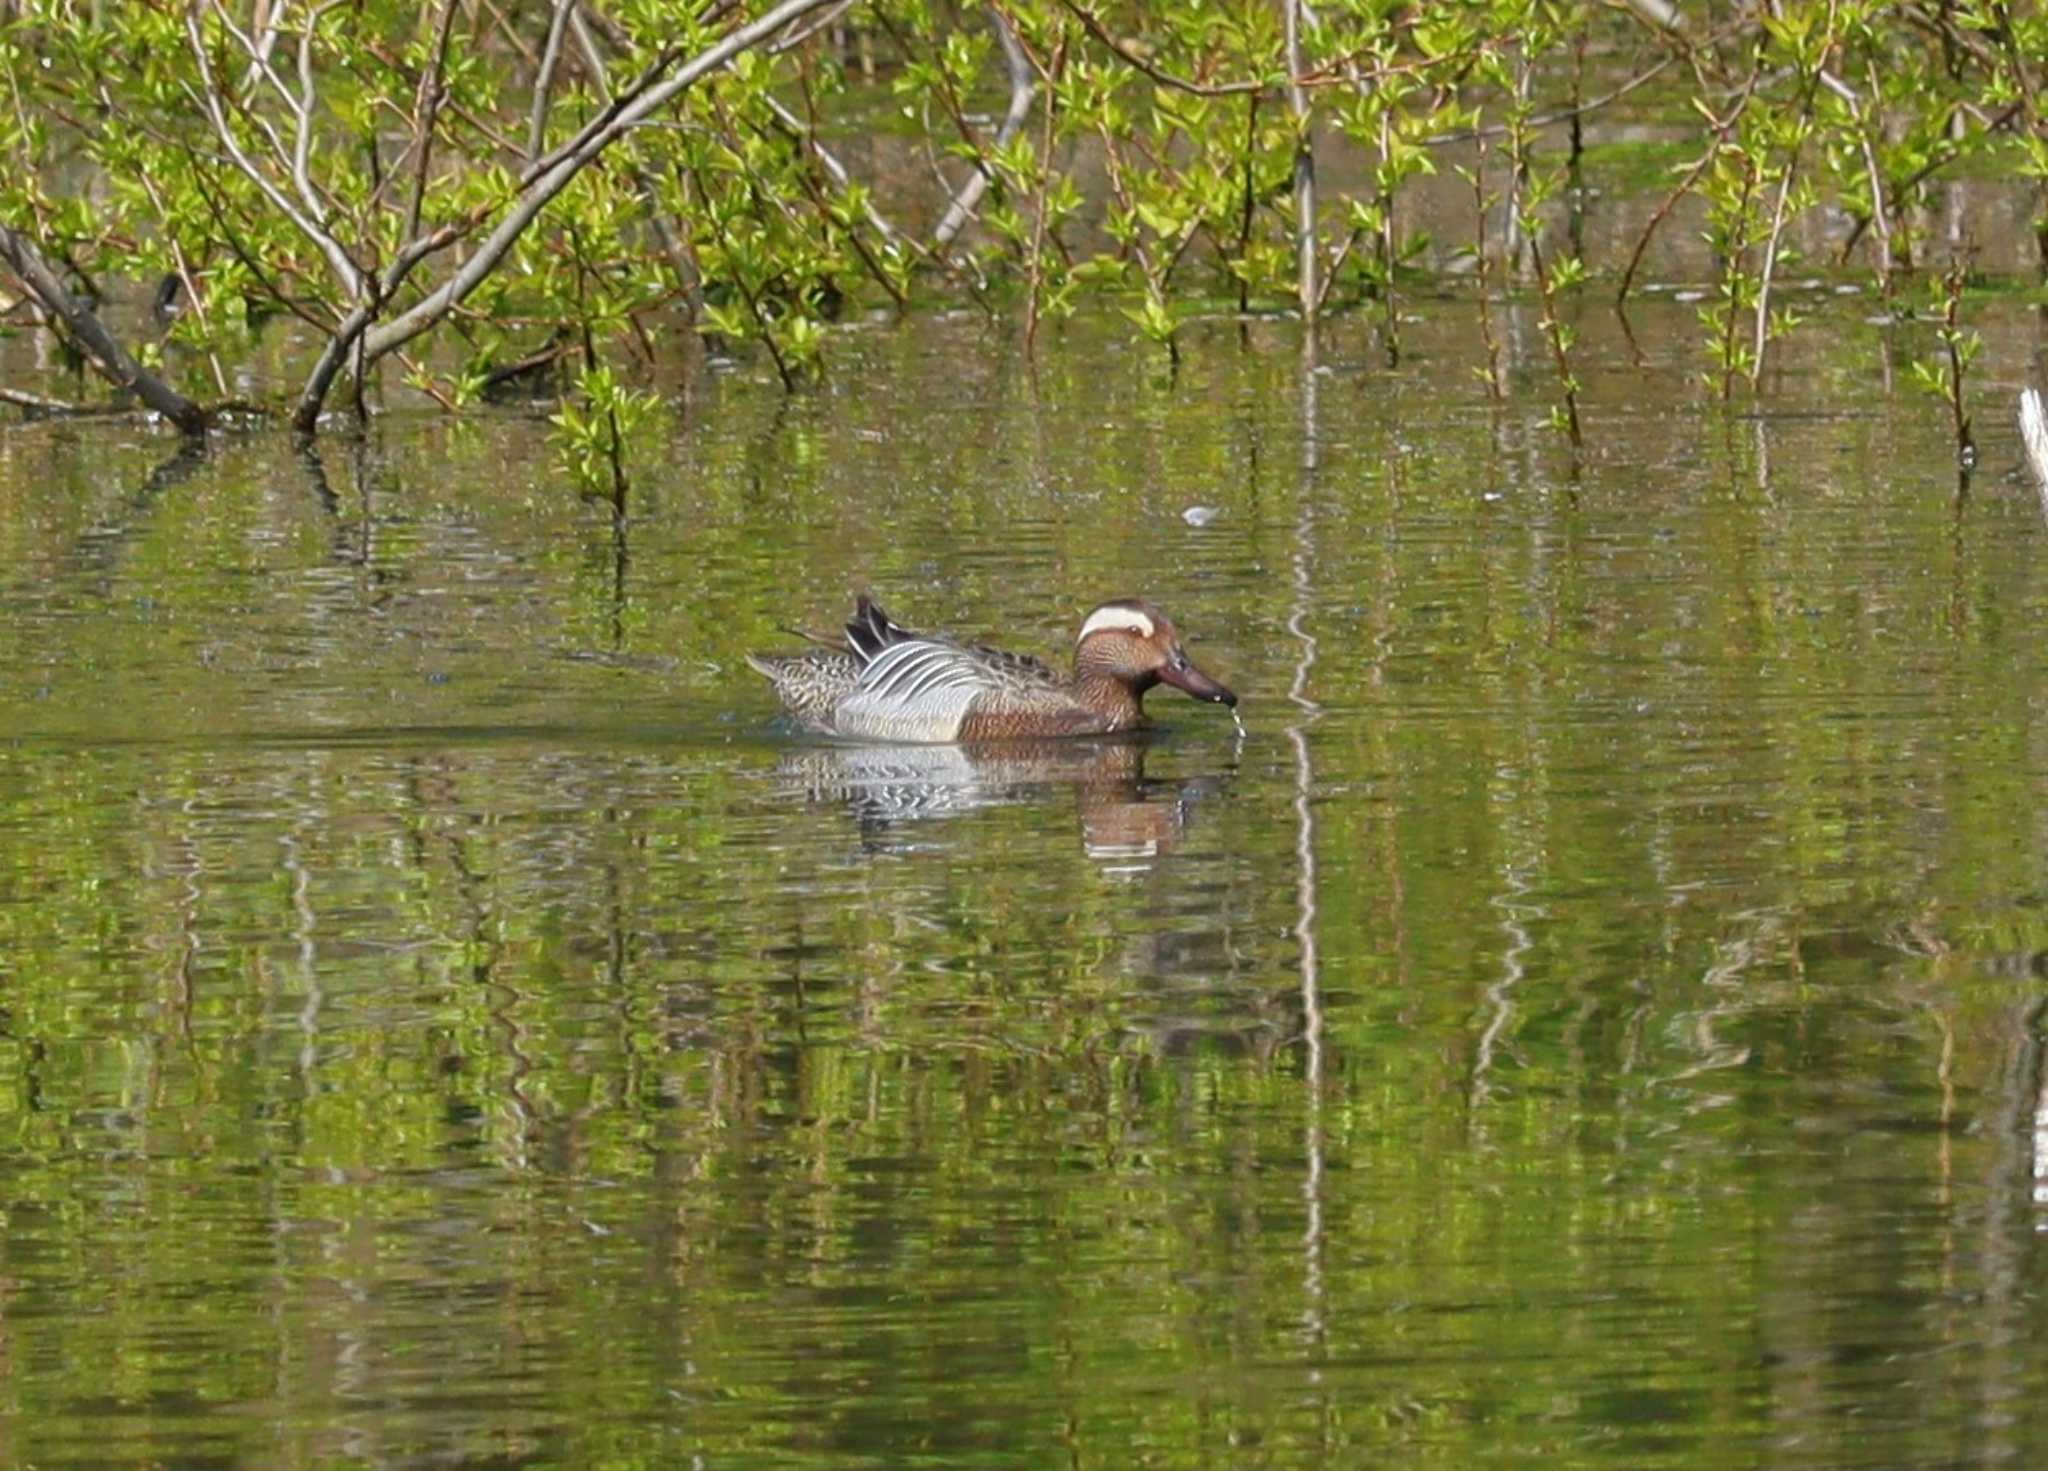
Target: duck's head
point(1135, 644)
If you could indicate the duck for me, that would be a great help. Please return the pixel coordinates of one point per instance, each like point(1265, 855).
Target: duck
point(887, 683)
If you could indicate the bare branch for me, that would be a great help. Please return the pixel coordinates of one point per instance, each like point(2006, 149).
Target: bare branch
point(345, 269)
point(264, 22)
point(544, 81)
point(426, 112)
point(1305, 173)
point(1023, 86)
point(302, 145)
point(299, 104)
point(85, 328)
point(539, 186)
point(816, 24)
point(1762, 334)
point(37, 406)
point(1096, 29)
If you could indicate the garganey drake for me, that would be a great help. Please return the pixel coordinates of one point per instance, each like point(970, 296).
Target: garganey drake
point(886, 683)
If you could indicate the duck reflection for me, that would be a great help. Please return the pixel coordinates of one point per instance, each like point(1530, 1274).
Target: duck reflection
point(1126, 818)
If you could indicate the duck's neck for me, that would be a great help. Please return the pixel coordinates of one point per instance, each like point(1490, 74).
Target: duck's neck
point(1109, 697)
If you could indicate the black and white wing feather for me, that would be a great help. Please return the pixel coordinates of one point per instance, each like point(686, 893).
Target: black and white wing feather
point(916, 689)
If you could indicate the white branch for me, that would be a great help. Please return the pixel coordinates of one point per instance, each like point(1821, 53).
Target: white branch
point(1305, 250)
point(544, 81)
point(338, 260)
point(302, 148)
point(1023, 86)
point(539, 189)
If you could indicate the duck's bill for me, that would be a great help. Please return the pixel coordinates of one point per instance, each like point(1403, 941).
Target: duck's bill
point(1198, 684)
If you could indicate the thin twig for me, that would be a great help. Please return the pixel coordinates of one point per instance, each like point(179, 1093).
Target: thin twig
point(1042, 203)
point(1096, 29)
point(426, 112)
point(1305, 258)
point(803, 33)
point(346, 272)
point(542, 181)
point(1719, 137)
point(544, 79)
point(1764, 277)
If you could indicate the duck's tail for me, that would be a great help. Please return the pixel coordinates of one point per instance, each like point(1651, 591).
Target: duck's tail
point(871, 630)
point(811, 684)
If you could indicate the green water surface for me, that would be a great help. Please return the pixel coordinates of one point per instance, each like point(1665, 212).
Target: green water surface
point(1591, 1015)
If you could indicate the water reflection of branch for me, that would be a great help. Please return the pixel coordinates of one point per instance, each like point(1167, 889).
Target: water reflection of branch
point(1305, 837)
point(1725, 975)
point(100, 548)
point(1501, 992)
point(305, 925)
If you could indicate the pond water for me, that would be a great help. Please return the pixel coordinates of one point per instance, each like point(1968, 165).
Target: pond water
point(1593, 1011)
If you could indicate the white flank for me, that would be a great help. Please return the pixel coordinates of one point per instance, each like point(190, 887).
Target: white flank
point(1126, 620)
point(2034, 435)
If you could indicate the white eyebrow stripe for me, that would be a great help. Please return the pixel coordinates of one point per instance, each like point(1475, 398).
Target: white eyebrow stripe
point(1128, 620)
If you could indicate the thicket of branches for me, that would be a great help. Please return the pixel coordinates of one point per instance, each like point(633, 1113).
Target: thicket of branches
point(537, 184)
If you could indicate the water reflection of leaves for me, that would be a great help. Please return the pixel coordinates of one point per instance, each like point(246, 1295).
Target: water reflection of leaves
point(1126, 818)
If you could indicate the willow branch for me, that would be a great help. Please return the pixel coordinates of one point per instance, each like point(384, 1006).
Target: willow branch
point(426, 112)
point(1305, 173)
point(540, 184)
point(85, 328)
point(1023, 86)
point(294, 161)
point(544, 81)
point(1095, 28)
point(302, 144)
point(345, 269)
